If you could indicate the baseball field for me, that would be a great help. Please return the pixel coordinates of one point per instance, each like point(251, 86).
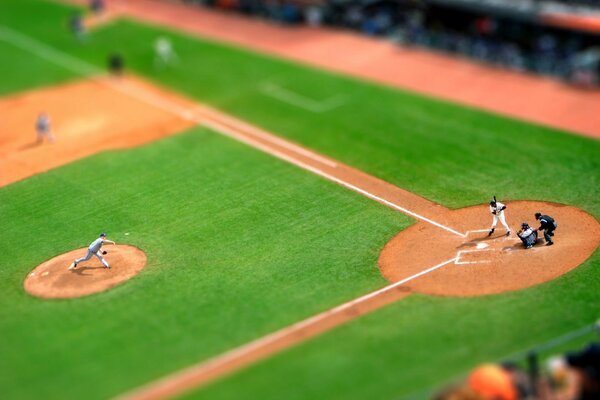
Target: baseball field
point(264, 194)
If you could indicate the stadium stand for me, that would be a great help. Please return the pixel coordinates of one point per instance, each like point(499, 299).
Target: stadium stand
point(560, 39)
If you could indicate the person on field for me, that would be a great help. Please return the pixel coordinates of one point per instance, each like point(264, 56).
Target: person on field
point(548, 225)
point(164, 54)
point(76, 26)
point(97, 6)
point(497, 210)
point(116, 64)
point(94, 250)
point(43, 128)
point(528, 235)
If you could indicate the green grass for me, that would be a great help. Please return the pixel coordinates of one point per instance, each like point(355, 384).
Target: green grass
point(240, 244)
point(450, 154)
point(404, 351)
point(234, 252)
point(31, 74)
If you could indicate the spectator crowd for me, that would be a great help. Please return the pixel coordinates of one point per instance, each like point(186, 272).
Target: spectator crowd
point(498, 38)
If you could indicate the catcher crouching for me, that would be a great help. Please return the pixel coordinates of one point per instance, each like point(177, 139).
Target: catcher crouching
point(528, 235)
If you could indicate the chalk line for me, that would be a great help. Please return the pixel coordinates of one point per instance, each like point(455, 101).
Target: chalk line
point(190, 377)
point(81, 67)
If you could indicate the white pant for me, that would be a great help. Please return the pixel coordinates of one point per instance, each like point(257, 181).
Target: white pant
point(502, 221)
point(89, 255)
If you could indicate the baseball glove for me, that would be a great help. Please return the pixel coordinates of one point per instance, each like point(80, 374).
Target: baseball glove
point(105, 252)
point(494, 212)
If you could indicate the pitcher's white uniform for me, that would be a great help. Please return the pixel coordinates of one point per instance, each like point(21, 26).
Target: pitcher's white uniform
point(94, 250)
point(497, 210)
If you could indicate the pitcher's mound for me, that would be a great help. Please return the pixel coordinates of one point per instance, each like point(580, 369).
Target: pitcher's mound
point(53, 280)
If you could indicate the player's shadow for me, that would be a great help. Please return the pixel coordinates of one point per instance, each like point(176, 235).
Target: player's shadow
point(521, 247)
point(30, 146)
point(81, 269)
point(472, 243)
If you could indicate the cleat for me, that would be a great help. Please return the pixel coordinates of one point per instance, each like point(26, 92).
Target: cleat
point(508, 233)
point(491, 231)
point(549, 243)
point(528, 246)
point(72, 266)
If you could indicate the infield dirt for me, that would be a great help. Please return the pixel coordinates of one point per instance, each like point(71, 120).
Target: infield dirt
point(515, 94)
point(87, 117)
point(119, 117)
point(53, 280)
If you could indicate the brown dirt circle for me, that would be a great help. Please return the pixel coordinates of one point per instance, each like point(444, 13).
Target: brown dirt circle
point(489, 265)
point(53, 280)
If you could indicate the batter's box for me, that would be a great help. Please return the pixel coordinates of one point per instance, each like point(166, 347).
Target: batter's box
point(478, 234)
point(469, 257)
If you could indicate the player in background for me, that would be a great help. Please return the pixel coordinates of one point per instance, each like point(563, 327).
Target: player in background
point(164, 55)
point(76, 26)
point(116, 64)
point(94, 250)
point(97, 6)
point(43, 128)
point(497, 210)
point(548, 225)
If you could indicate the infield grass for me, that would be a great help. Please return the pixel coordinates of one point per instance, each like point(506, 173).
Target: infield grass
point(241, 244)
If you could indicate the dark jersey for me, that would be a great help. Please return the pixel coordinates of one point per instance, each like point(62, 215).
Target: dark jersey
point(547, 222)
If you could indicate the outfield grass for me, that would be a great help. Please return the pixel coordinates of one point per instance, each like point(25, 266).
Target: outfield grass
point(234, 252)
point(407, 350)
point(447, 153)
point(241, 244)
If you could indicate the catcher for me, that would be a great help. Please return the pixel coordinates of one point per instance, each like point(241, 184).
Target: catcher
point(94, 250)
point(528, 235)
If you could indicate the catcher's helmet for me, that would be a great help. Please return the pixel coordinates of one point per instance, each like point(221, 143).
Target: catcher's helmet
point(538, 215)
point(525, 225)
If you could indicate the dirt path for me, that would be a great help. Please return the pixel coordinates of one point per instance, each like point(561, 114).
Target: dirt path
point(522, 96)
point(86, 117)
point(53, 280)
point(429, 255)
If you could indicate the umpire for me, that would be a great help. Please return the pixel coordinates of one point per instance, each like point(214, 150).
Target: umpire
point(548, 225)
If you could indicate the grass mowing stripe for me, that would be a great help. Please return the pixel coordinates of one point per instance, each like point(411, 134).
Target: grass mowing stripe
point(418, 343)
point(83, 68)
point(450, 154)
point(237, 254)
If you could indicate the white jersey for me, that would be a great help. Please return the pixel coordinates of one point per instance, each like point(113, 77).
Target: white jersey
point(163, 47)
point(498, 210)
point(96, 245)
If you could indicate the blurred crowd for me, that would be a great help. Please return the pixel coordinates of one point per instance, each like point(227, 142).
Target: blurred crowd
point(574, 375)
point(493, 38)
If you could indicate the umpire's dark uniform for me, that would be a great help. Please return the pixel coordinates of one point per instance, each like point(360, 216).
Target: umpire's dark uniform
point(548, 225)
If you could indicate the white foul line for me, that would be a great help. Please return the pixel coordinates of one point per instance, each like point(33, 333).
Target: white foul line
point(83, 68)
point(190, 372)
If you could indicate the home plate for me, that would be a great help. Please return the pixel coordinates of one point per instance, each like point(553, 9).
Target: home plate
point(482, 245)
